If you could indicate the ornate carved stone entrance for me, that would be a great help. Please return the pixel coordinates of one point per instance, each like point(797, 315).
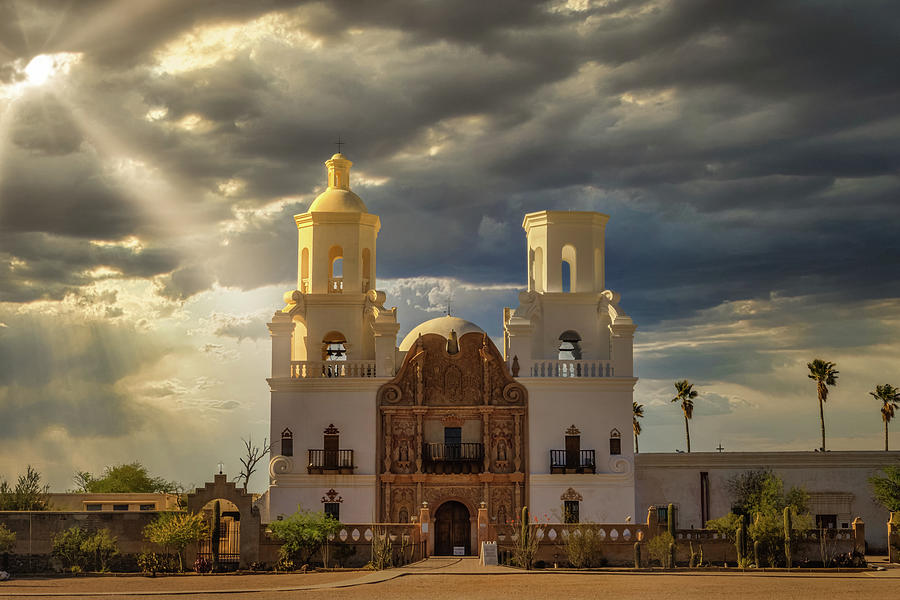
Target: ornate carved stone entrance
point(452, 428)
point(452, 528)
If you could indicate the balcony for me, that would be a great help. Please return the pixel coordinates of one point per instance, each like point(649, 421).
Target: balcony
point(335, 285)
point(330, 461)
point(453, 458)
point(307, 369)
point(572, 368)
point(563, 462)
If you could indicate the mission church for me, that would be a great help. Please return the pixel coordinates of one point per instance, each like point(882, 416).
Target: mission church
point(368, 430)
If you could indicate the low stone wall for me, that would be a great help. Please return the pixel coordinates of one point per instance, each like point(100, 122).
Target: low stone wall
point(35, 529)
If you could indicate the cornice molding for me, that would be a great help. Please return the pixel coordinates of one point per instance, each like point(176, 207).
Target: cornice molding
point(327, 384)
point(749, 460)
point(612, 384)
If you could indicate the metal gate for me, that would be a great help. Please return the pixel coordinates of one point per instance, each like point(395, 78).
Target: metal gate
point(229, 544)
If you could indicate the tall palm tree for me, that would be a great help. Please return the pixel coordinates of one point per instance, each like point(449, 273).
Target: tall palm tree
point(825, 374)
point(637, 413)
point(684, 393)
point(889, 397)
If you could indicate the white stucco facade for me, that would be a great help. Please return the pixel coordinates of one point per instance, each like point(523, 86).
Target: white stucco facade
point(360, 421)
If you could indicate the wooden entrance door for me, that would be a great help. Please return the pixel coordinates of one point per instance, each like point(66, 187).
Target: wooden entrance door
point(452, 527)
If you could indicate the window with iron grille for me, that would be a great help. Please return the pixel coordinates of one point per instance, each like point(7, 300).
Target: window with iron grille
point(333, 509)
point(287, 443)
point(570, 510)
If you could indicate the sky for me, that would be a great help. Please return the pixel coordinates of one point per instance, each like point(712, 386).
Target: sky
point(153, 154)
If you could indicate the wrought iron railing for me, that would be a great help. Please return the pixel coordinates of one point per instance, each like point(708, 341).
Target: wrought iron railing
point(321, 459)
point(561, 461)
point(463, 452)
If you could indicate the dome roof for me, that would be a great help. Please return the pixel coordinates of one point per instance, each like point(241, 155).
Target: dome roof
point(440, 326)
point(338, 200)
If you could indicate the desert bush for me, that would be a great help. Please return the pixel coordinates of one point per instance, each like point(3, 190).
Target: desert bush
point(583, 547)
point(174, 531)
point(659, 548)
point(302, 535)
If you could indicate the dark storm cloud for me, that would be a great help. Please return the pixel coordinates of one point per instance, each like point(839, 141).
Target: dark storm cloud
point(739, 147)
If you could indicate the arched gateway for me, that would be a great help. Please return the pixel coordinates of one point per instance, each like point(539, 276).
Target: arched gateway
point(452, 529)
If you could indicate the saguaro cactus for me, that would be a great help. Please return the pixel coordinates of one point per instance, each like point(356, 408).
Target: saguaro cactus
point(215, 535)
point(739, 544)
point(670, 519)
point(756, 553)
point(788, 525)
point(672, 550)
point(637, 555)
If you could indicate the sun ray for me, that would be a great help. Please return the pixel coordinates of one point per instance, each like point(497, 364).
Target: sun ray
point(144, 182)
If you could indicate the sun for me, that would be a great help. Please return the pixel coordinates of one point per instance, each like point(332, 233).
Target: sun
point(40, 69)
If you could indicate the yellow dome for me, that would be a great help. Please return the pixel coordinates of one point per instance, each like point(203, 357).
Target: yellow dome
point(440, 326)
point(338, 200)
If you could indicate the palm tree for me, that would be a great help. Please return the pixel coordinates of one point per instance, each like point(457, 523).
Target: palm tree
point(889, 397)
point(685, 394)
point(825, 374)
point(637, 413)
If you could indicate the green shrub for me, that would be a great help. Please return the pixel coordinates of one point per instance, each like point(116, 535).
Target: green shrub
point(659, 548)
point(7, 540)
point(98, 548)
point(175, 531)
point(302, 535)
point(584, 547)
point(66, 546)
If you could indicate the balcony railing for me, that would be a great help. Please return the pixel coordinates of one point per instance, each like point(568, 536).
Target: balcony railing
point(453, 458)
point(335, 285)
point(306, 369)
point(454, 452)
point(572, 368)
point(565, 462)
point(322, 461)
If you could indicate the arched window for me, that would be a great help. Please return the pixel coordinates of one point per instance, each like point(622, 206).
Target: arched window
point(615, 442)
point(569, 280)
point(569, 345)
point(304, 271)
point(335, 270)
point(287, 442)
point(537, 269)
point(334, 347)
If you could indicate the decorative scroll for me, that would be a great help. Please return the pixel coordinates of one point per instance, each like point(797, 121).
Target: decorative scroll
point(474, 376)
point(571, 494)
point(332, 496)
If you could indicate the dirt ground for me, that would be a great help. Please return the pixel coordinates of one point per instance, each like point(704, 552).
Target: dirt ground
point(520, 586)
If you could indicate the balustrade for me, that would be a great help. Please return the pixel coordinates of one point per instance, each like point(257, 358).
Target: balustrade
point(572, 368)
point(563, 462)
point(305, 369)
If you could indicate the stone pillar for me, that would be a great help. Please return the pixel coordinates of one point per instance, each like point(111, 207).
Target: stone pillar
point(622, 343)
point(281, 328)
point(426, 529)
point(859, 536)
point(652, 522)
point(483, 533)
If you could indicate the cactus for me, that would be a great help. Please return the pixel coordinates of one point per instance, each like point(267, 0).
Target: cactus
point(787, 535)
point(693, 560)
point(670, 519)
point(637, 555)
point(739, 544)
point(215, 536)
point(672, 550)
point(526, 545)
point(700, 559)
point(756, 554)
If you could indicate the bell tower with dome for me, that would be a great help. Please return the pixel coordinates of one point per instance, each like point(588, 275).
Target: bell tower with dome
point(333, 344)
